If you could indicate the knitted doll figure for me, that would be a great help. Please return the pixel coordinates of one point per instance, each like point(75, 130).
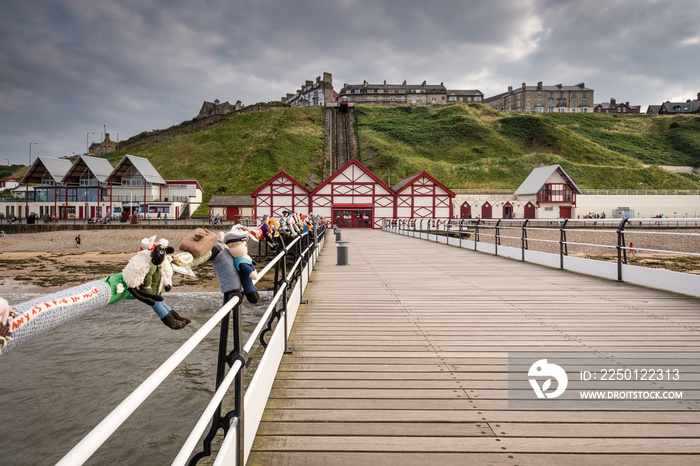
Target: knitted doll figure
point(148, 274)
point(267, 233)
point(236, 240)
point(205, 245)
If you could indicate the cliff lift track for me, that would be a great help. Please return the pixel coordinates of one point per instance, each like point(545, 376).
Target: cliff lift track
point(341, 143)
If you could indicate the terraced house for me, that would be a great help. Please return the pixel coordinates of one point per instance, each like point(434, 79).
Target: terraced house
point(544, 99)
point(407, 94)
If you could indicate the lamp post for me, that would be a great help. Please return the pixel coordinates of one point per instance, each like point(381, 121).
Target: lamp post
point(87, 143)
point(30, 152)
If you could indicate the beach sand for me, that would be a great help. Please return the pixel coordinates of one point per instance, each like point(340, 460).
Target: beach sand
point(51, 261)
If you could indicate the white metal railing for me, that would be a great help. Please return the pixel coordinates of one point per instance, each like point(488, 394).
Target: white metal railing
point(249, 405)
point(549, 241)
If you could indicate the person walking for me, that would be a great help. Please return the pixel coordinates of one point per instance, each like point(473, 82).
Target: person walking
point(77, 241)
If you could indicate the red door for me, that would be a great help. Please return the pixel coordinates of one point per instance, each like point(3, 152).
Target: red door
point(465, 210)
point(232, 213)
point(529, 210)
point(486, 210)
point(564, 211)
point(507, 210)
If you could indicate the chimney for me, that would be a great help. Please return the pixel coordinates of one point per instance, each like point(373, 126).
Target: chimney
point(423, 84)
point(698, 95)
point(217, 101)
point(539, 85)
point(581, 85)
point(612, 101)
point(627, 104)
point(510, 88)
point(524, 86)
point(365, 83)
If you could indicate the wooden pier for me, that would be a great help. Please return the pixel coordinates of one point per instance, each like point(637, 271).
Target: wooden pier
point(401, 358)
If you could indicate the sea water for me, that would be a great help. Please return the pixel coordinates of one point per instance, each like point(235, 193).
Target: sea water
point(56, 388)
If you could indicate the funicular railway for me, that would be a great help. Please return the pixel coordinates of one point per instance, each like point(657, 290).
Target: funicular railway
point(341, 143)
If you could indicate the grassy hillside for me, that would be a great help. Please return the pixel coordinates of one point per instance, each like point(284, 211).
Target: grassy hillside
point(463, 146)
point(472, 146)
point(239, 154)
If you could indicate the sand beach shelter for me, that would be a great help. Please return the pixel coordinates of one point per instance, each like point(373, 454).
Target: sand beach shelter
point(422, 196)
point(133, 180)
point(353, 197)
point(550, 190)
point(49, 173)
point(279, 193)
point(231, 206)
point(88, 176)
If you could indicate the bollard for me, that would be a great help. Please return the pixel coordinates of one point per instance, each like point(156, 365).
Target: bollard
point(342, 247)
point(338, 235)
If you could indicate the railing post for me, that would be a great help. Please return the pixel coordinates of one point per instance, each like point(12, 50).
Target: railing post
point(563, 248)
point(497, 237)
point(228, 358)
point(523, 238)
point(476, 233)
point(461, 226)
point(621, 250)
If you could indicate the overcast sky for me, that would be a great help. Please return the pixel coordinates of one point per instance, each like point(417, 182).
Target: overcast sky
point(71, 67)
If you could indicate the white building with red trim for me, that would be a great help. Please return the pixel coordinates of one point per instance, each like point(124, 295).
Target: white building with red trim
point(281, 192)
point(422, 196)
point(354, 197)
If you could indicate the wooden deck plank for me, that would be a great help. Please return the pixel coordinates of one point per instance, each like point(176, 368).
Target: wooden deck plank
point(306, 458)
point(402, 356)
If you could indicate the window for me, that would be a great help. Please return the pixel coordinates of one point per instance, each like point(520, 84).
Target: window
point(88, 181)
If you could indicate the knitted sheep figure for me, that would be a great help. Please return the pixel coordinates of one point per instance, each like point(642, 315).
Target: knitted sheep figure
point(6, 312)
point(148, 274)
point(236, 240)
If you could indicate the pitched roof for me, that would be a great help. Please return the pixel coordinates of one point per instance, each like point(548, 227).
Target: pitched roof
point(539, 176)
point(409, 180)
point(221, 200)
point(353, 161)
point(100, 168)
point(57, 168)
point(141, 165)
point(279, 175)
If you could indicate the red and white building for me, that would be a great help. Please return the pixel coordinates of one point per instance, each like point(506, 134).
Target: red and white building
point(281, 192)
point(422, 196)
point(354, 197)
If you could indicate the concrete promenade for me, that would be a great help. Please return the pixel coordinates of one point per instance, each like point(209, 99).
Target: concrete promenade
point(401, 358)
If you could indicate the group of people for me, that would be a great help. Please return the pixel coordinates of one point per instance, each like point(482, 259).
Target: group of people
point(594, 215)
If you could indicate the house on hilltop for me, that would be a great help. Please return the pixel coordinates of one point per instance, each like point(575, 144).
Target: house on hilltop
point(544, 99)
point(104, 147)
point(400, 94)
point(218, 108)
point(689, 107)
point(313, 94)
point(614, 107)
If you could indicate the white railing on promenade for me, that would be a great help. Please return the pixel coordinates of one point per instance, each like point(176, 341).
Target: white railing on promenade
point(599, 247)
point(242, 421)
